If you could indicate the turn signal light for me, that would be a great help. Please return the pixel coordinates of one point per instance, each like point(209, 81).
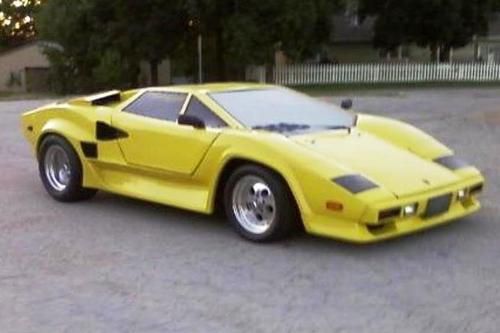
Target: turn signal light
point(334, 206)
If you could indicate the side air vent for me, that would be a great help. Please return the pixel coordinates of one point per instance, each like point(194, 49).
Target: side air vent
point(105, 98)
point(105, 132)
point(451, 162)
point(89, 149)
point(355, 183)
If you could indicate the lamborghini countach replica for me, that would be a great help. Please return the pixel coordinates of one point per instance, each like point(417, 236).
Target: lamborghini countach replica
point(272, 159)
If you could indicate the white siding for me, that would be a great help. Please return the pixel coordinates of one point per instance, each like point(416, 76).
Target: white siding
point(15, 61)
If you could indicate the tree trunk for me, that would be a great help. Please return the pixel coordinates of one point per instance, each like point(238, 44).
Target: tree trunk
point(153, 65)
point(445, 54)
point(477, 49)
point(133, 80)
point(435, 53)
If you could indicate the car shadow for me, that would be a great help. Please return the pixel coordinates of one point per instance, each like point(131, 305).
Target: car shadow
point(215, 227)
point(407, 241)
point(151, 212)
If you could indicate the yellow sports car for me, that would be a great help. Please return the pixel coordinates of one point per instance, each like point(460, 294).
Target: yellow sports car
point(272, 159)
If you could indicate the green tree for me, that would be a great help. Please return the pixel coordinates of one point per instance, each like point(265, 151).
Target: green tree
point(77, 41)
point(495, 4)
point(242, 32)
point(95, 35)
point(437, 24)
point(16, 20)
point(446, 24)
point(100, 43)
point(148, 30)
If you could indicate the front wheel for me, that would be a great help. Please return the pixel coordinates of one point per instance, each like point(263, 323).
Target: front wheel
point(61, 170)
point(259, 204)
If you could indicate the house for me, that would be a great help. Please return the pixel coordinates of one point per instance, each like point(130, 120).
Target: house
point(352, 43)
point(488, 48)
point(24, 68)
point(351, 40)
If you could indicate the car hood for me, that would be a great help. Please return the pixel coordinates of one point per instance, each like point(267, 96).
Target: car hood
point(396, 169)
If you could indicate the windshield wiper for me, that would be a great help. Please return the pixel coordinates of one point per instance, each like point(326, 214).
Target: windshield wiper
point(282, 127)
point(340, 127)
point(288, 127)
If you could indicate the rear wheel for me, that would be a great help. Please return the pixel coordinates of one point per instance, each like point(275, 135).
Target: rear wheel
point(61, 170)
point(259, 204)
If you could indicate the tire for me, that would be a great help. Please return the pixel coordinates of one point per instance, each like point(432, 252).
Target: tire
point(61, 170)
point(259, 204)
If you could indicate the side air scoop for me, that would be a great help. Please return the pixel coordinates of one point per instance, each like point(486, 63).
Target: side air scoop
point(100, 99)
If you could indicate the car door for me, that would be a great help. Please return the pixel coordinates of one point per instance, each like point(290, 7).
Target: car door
point(154, 139)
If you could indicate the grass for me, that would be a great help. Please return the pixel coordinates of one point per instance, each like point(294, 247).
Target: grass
point(385, 88)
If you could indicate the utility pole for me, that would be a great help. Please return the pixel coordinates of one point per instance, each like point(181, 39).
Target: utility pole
point(200, 59)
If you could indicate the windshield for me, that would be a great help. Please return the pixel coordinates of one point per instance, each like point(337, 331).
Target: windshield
point(282, 110)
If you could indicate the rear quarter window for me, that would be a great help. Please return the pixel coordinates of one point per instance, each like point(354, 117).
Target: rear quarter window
point(158, 105)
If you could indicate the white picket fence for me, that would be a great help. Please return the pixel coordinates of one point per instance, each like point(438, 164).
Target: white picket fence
point(379, 73)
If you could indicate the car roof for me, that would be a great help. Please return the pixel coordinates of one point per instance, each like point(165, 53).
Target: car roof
point(212, 87)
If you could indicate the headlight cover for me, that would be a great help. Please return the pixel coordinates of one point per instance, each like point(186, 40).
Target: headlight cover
point(355, 183)
point(451, 162)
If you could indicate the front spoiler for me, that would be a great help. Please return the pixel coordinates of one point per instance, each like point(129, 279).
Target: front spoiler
point(358, 232)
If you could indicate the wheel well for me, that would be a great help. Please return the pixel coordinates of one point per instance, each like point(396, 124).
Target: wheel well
point(44, 136)
point(40, 140)
point(230, 167)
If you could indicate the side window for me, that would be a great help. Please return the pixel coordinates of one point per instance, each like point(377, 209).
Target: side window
point(198, 109)
point(158, 105)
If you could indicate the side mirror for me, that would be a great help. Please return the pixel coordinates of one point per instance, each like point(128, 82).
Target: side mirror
point(188, 120)
point(346, 104)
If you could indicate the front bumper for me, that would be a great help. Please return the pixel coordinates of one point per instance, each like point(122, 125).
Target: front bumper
point(366, 232)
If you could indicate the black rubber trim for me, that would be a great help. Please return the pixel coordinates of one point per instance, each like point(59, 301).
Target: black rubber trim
point(476, 189)
point(105, 132)
point(451, 162)
point(90, 149)
point(355, 183)
point(388, 214)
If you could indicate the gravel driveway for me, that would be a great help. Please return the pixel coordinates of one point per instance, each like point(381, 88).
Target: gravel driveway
point(114, 264)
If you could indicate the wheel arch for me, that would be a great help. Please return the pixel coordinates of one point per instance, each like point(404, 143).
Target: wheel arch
point(68, 130)
point(231, 166)
point(73, 188)
point(45, 135)
point(89, 177)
